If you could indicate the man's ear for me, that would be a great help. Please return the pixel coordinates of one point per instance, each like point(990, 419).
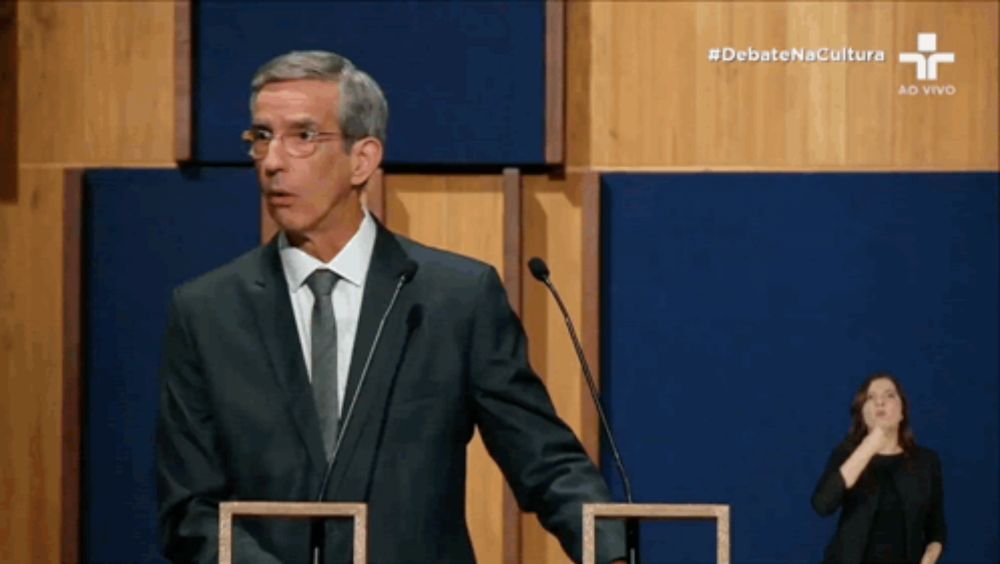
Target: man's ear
point(366, 156)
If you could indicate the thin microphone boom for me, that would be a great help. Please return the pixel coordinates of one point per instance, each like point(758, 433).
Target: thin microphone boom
point(405, 276)
point(407, 273)
point(540, 271)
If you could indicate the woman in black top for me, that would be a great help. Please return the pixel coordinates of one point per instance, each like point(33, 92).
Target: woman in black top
point(888, 488)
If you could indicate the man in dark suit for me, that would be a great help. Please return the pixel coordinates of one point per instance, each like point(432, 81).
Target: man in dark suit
point(341, 343)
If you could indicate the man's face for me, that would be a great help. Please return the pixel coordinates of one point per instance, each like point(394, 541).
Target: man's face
point(303, 195)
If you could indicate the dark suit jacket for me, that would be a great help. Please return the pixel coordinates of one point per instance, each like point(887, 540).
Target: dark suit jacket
point(918, 481)
point(237, 419)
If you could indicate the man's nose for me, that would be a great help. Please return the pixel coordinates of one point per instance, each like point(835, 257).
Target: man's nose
point(275, 159)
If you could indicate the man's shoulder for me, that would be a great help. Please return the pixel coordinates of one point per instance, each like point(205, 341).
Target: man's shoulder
point(225, 278)
point(443, 264)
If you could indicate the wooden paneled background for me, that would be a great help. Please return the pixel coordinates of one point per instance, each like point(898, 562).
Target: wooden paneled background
point(643, 94)
point(464, 214)
point(96, 83)
point(95, 86)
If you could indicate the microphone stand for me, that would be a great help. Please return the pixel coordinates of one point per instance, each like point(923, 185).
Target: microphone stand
point(318, 527)
point(541, 273)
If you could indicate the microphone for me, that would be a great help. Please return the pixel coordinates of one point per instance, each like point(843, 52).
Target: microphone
point(406, 274)
point(540, 271)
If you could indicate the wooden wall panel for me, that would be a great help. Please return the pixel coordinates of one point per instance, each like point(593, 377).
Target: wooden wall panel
point(578, 78)
point(71, 410)
point(962, 132)
point(553, 227)
point(31, 368)
point(646, 97)
point(464, 214)
point(182, 66)
point(96, 83)
point(555, 81)
point(94, 87)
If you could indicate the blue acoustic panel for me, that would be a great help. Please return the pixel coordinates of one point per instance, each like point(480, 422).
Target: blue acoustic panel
point(465, 80)
point(146, 231)
point(740, 313)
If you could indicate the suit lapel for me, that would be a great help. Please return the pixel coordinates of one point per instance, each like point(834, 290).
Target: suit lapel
point(280, 337)
point(359, 443)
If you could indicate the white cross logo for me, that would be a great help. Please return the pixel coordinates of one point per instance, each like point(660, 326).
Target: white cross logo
point(927, 65)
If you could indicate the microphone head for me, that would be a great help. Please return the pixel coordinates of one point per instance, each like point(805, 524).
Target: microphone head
point(538, 269)
point(408, 271)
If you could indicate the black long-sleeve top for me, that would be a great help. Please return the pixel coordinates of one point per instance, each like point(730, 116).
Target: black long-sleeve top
point(917, 481)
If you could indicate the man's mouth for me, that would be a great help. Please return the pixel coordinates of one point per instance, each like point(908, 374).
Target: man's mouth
point(279, 197)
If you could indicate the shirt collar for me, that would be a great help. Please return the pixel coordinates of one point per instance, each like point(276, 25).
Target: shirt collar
point(351, 263)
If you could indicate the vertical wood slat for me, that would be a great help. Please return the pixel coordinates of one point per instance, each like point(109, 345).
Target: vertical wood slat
point(512, 266)
point(182, 80)
point(555, 81)
point(51, 44)
point(8, 101)
point(578, 84)
point(463, 213)
point(552, 228)
point(591, 271)
point(513, 282)
point(72, 412)
point(31, 368)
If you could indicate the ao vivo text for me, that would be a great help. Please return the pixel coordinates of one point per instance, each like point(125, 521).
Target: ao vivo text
point(927, 89)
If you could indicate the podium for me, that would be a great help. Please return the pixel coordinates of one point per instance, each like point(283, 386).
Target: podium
point(230, 510)
point(659, 511)
point(306, 510)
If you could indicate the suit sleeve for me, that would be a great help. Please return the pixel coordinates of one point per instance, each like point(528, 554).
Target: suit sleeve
point(191, 477)
point(936, 529)
point(539, 455)
point(829, 492)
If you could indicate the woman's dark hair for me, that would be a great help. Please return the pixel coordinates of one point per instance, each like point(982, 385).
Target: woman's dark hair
point(858, 427)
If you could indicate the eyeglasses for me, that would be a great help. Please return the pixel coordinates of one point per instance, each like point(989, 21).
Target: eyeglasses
point(299, 143)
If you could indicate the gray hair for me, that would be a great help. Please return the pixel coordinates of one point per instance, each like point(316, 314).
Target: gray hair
point(363, 109)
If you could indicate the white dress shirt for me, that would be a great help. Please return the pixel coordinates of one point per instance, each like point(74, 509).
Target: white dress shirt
point(351, 264)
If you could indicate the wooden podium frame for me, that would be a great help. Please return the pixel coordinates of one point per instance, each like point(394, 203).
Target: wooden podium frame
point(230, 509)
point(591, 511)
